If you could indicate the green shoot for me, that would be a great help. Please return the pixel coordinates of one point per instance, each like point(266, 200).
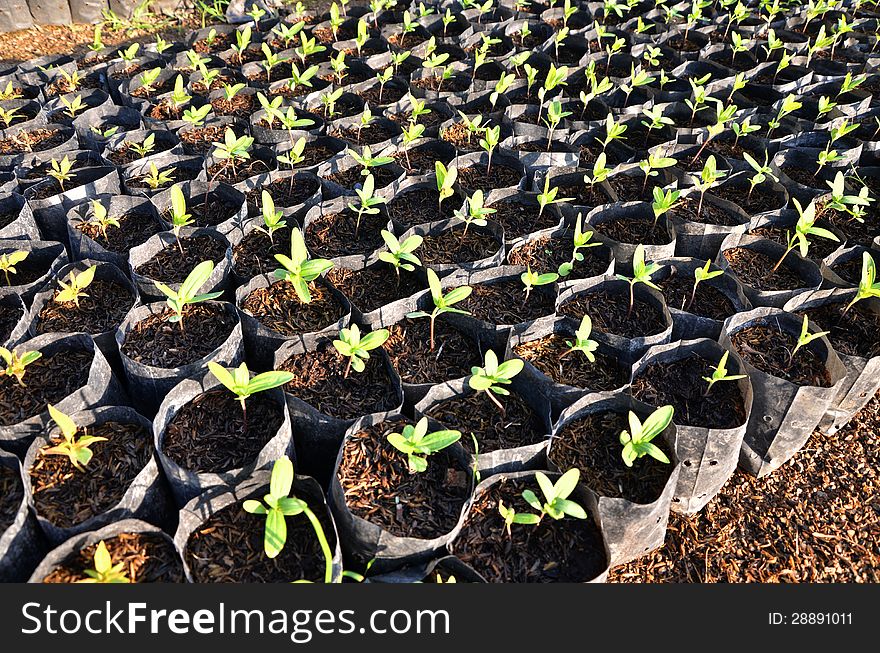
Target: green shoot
point(298, 269)
point(641, 274)
point(76, 284)
point(417, 443)
point(16, 365)
point(637, 440)
point(582, 342)
point(491, 377)
point(76, 449)
point(178, 300)
point(105, 571)
point(805, 338)
point(351, 345)
point(442, 303)
point(868, 286)
point(9, 261)
point(720, 374)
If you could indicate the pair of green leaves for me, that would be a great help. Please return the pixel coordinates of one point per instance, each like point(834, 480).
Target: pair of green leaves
point(417, 443)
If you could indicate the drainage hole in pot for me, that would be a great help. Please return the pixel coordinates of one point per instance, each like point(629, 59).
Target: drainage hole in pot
point(687, 463)
point(768, 418)
point(712, 463)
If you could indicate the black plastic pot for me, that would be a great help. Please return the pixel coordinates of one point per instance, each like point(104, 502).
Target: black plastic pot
point(23, 226)
point(623, 252)
point(22, 544)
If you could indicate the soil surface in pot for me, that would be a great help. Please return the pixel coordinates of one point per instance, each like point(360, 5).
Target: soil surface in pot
point(686, 210)
point(209, 433)
point(421, 160)
point(103, 308)
point(9, 317)
point(146, 558)
point(370, 135)
point(320, 381)
point(286, 192)
point(709, 302)
point(66, 496)
point(134, 229)
point(758, 202)
point(156, 342)
point(610, 312)
point(546, 254)
point(473, 412)
point(549, 355)
point(26, 272)
point(631, 188)
point(754, 269)
point(680, 384)
point(333, 234)
point(228, 548)
point(477, 177)
point(11, 494)
point(855, 334)
point(278, 308)
point(419, 206)
point(255, 253)
point(352, 177)
point(454, 246)
point(227, 173)
point(567, 550)
point(380, 489)
point(519, 219)
point(240, 106)
point(169, 265)
point(819, 247)
point(504, 302)
point(856, 233)
point(375, 286)
point(210, 212)
point(592, 444)
point(48, 380)
point(32, 140)
point(200, 140)
point(634, 231)
point(408, 346)
point(765, 346)
point(458, 135)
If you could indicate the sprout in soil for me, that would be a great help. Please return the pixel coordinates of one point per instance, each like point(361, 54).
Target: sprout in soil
point(738, 44)
point(277, 505)
point(613, 131)
point(363, 35)
point(613, 48)
point(155, 179)
point(73, 107)
point(555, 78)
point(96, 44)
point(16, 365)
point(531, 78)
point(418, 444)
point(270, 60)
point(179, 217)
point(663, 202)
point(9, 261)
point(555, 114)
point(294, 156)
point(273, 220)
point(339, 66)
point(533, 279)
point(637, 440)
point(720, 374)
point(196, 60)
point(233, 149)
point(329, 100)
point(102, 219)
point(739, 83)
point(6, 117)
point(434, 62)
point(298, 269)
point(548, 196)
point(822, 42)
point(652, 164)
point(491, 377)
point(178, 300)
point(418, 108)
point(582, 341)
point(825, 106)
point(805, 227)
point(580, 240)
point(105, 571)
point(271, 107)
point(709, 176)
point(75, 448)
point(400, 254)
point(242, 41)
point(72, 290)
point(868, 286)
point(700, 96)
point(129, 53)
point(634, 81)
point(556, 504)
point(351, 345)
point(473, 126)
point(840, 201)
point(9, 92)
point(474, 212)
point(196, 116)
point(701, 274)
point(761, 172)
point(103, 134)
point(641, 274)
point(366, 159)
point(61, 171)
point(412, 132)
point(288, 33)
point(597, 88)
point(600, 172)
point(148, 79)
point(657, 119)
point(442, 303)
point(789, 105)
point(231, 90)
point(501, 87)
point(369, 203)
point(805, 338)
point(210, 76)
point(723, 116)
point(240, 383)
point(445, 179)
point(366, 119)
point(384, 77)
point(490, 140)
point(559, 39)
point(256, 13)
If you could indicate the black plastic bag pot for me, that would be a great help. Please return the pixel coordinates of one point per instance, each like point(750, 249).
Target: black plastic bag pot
point(254, 186)
point(148, 385)
point(30, 172)
point(491, 231)
point(600, 217)
point(92, 125)
point(366, 542)
point(703, 239)
point(687, 324)
point(420, 156)
point(783, 414)
point(62, 139)
point(792, 158)
point(808, 271)
point(863, 372)
point(117, 147)
point(56, 110)
point(22, 543)
point(778, 196)
point(146, 498)
point(22, 226)
point(533, 152)
point(480, 161)
point(631, 529)
point(843, 268)
point(185, 168)
point(440, 111)
point(142, 254)
point(709, 455)
point(391, 175)
point(187, 484)
point(29, 113)
point(198, 191)
point(784, 223)
point(44, 257)
point(634, 346)
point(73, 546)
point(446, 568)
point(14, 323)
point(197, 512)
point(102, 388)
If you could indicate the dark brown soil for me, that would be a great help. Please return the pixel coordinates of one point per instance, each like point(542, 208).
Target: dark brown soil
point(477, 177)
point(320, 382)
point(686, 210)
point(768, 348)
point(32, 140)
point(373, 287)
point(454, 246)
point(48, 380)
point(369, 135)
point(26, 272)
point(610, 313)
point(759, 201)
point(463, 140)
point(170, 266)
point(226, 173)
point(408, 347)
point(708, 302)
point(209, 434)
point(278, 308)
point(240, 106)
point(819, 247)
point(379, 487)
point(156, 342)
point(67, 496)
point(102, 309)
point(631, 188)
point(148, 558)
point(200, 140)
point(285, 192)
point(504, 302)
point(520, 219)
point(11, 494)
point(420, 161)
point(420, 206)
point(547, 254)
point(255, 254)
point(857, 333)
point(753, 269)
point(208, 213)
point(548, 354)
point(333, 234)
point(592, 444)
point(134, 229)
point(634, 231)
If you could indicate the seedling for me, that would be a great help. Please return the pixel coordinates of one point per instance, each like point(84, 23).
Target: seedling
point(304, 79)
point(663, 202)
point(700, 96)
point(240, 383)
point(101, 218)
point(362, 36)
point(868, 286)
point(637, 440)
point(74, 288)
point(155, 178)
point(720, 374)
point(445, 179)
point(701, 274)
point(490, 140)
point(789, 105)
point(367, 118)
point(148, 79)
point(298, 269)
point(179, 217)
point(178, 300)
point(61, 171)
point(635, 80)
point(329, 100)
point(351, 345)
point(581, 240)
point(233, 148)
point(805, 338)
point(501, 87)
point(597, 88)
point(805, 227)
point(723, 116)
point(582, 342)
point(840, 201)
point(473, 126)
point(761, 172)
point(9, 92)
point(613, 131)
point(287, 33)
point(277, 505)
point(641, 274)
point(600, 172)
point(652, 164)
point(400, 254)
point(412, 132)
point(369, 203)
point(96, 44)
point(16, 365)
point(129, 53)
point(548, 196)
point(294, 156)
point(417, 443)
point(75, 448)
point(105, 571)
point(492, 377)
point(656, 119)
point(709, 176)
point(556, 503)
point(532, 279)
point(367, 160)
point(9, 261)
point(143, 148)
point(242, 41)
point(442, 303)
point(475, 213)
point(555, 114)
point(196, 116)
point(8, 116)
point(273, 220)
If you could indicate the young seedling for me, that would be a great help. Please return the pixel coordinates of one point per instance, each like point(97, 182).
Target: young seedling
point(445, 179)
point(61, 171)
point(73, 107)
point(351, 345)
point(582, 341)
point(233, 148)
point(720, 374)
point(442, 303)
point(298, 269)
point(75, 448)
point(105, 571)
point(8, 116)
point(709, 176)
point(637, 440)
point(148, 79)
point(418, 444)
point(240, 383)
point(803, 229)
point(548, 196)
point(490, 140)
point(16, 365)
point(761, 172)
point(273, 220)
point(701, 274)
point(641, 274)
point(533, 279)
point(805, 338)
point(600, 172)
point(580, 240)
point(652, 164)
point(789, 105)
point(400, 254)
point(155, 178)
point(101, 219)
point(277, 505)
point(179, 217)
point(868, 286)
point(664, 201)
point(74, 288)
point(369, 204)
point(367, 161)
point(9, 261)
point(613, 131)
point(474, 212)
point(144, 147)
point(196, 116)
point(492, 377)
point(556, 503)
point(555, 114)
point(188, 293)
